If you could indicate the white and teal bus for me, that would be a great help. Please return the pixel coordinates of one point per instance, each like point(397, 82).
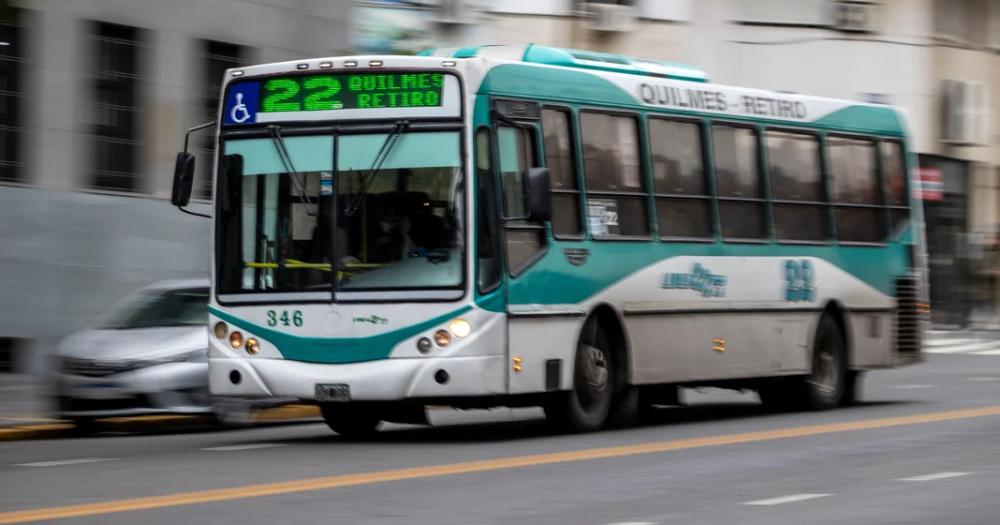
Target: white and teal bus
point(533, 226)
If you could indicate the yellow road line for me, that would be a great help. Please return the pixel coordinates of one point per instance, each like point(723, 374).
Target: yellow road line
point(366, 478)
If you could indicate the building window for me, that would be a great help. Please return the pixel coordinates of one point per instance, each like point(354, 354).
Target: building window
point(559, 160)
point(796, 186)
point(11, 98)
point(741, 198)
point(215, 59)
point(114, 124)
point(855, 189)
point(616, 195)
point(894, 175)
point(682, 196)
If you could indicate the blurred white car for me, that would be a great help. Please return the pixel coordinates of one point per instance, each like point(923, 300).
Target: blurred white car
point(148, 357)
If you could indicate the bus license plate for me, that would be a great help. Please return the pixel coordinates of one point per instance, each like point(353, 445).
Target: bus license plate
point(340, 393)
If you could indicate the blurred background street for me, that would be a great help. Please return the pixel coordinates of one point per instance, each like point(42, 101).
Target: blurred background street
point(95, 98)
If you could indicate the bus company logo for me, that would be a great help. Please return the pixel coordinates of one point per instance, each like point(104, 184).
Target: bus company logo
point(371, 319)
point(700, 279)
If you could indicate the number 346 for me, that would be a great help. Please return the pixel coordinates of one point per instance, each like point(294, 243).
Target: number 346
point(283, 317)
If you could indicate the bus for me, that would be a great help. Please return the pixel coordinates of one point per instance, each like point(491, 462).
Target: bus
point(535, 226)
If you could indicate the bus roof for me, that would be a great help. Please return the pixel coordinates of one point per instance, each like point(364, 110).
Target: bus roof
point(577, 58)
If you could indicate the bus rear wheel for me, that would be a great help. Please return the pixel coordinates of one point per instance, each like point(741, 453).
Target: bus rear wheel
point(585, 408)
point(828, 381)
point(349, 420)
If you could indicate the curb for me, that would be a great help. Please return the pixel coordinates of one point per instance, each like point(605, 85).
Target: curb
point(282, 414)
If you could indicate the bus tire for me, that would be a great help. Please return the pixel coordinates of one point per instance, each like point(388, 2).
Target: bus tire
point(349, 420)
point(586, 407)
point(827, 381)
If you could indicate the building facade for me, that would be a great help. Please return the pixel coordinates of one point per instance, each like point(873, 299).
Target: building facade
point(97, 97)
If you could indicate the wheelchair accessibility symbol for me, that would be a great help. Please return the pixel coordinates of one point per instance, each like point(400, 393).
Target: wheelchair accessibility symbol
point(239, 113)
point(241, 103)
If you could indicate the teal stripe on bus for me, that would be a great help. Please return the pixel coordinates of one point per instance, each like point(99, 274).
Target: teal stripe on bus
point(553, 280)
point(335, 350)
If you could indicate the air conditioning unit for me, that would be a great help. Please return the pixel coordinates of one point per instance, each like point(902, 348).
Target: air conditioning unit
point(965, 115)
point(455, 12)
point(610, 18)
point(856, 16)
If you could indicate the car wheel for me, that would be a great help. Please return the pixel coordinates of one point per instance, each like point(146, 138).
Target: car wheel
point(84, 426)
point(233, 413)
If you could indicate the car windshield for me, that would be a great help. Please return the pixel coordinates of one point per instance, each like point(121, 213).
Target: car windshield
point(396, 227)
point(161, 308)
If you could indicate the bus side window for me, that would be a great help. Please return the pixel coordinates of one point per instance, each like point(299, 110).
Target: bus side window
point(487, 249)
point(559, 160)
point(516, 150)
point(894, 175)
point(855, 189)
point(793, 163)
point(741, 199)
point(683, 202)
point(616, 194)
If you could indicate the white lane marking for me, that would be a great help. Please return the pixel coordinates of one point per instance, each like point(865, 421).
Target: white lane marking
point(982, 379)
point(63, 462)
point(635, 523)
point(987, 352)
point(911, 387)
point(251, 446)
point(936, 476)
point(791, 498)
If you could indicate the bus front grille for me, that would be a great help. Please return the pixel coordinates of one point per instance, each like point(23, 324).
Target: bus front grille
point(907, 316)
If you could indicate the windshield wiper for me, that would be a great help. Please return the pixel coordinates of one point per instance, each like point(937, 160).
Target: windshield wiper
point(286, 160)
point(383, 153)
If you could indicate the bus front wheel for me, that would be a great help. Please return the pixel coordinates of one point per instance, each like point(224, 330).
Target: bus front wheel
point(348, 420)
point(585, 408)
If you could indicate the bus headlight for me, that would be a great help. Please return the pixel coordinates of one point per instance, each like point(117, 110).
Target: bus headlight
point(442, 338)
point(460, 328)
point(220, 330)
point(252, 346)
point(235, 339)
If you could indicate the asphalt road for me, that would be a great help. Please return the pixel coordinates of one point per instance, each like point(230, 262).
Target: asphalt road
point(922, 448)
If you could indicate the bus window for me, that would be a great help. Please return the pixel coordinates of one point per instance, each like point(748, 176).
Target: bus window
point(487, 250)
point(741, 203)
point(559, 160)
point(855, 189)
point(894, 175)
point(517, 154)
point(616, 197)
point(796, 189)
point(682, 197)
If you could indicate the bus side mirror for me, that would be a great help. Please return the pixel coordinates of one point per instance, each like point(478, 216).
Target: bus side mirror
point(538, 195)
point(183, 179)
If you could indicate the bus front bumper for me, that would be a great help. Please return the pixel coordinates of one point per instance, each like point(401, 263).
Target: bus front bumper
point(381, 380)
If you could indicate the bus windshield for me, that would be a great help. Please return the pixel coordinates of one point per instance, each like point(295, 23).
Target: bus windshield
point(396, 227)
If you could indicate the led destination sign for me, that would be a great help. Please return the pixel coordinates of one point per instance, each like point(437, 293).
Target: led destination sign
point(249, 101)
